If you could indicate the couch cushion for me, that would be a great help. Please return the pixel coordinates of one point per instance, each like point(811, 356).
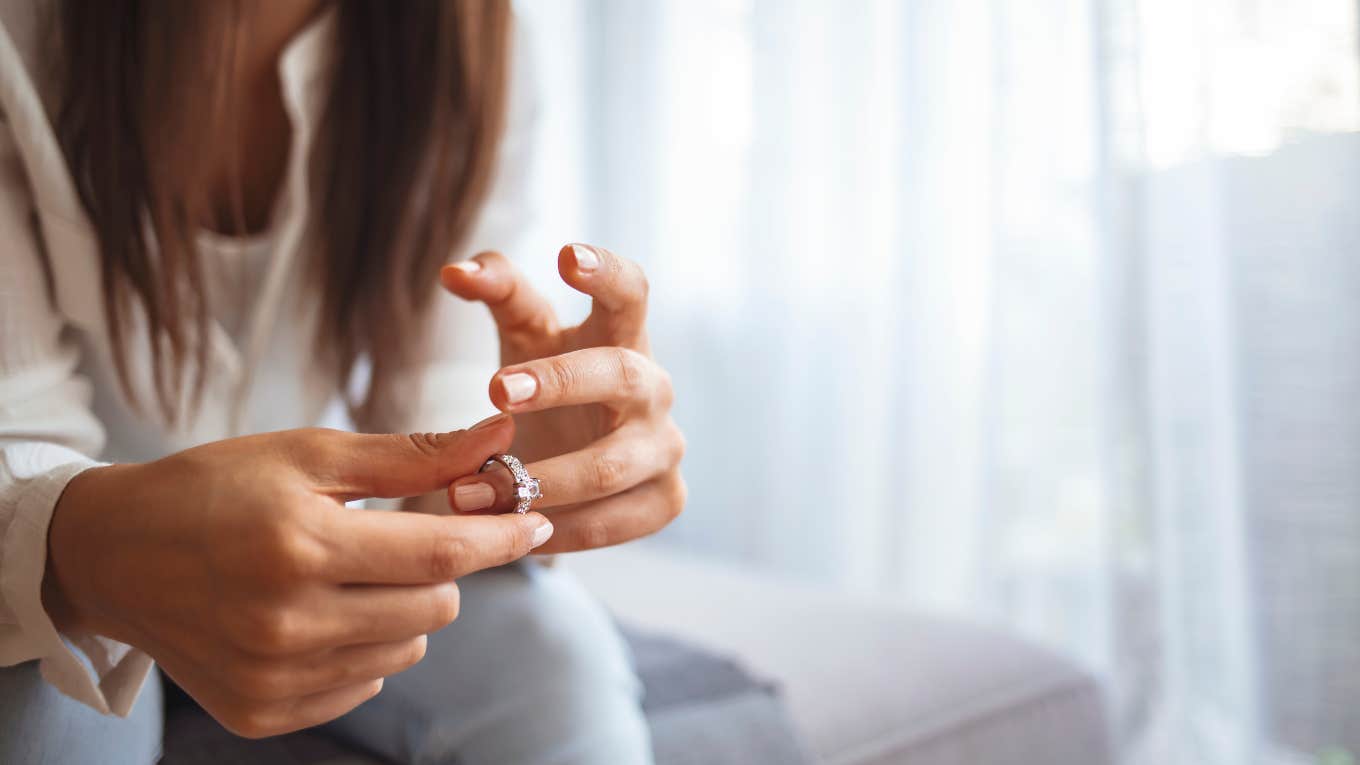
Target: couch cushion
point(866, 682)
point(705, 709)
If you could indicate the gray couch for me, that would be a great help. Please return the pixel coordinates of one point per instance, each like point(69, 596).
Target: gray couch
point(866, 683)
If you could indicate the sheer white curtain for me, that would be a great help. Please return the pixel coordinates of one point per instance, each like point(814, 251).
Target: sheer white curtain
point(1042, 312)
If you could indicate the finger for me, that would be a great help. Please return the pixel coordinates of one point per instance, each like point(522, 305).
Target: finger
point(619, 461)
point(592, 375)
point(618, 288)
point(352, 465)
point(379, 547)
point(490, 277)
point(314, 709)
point(383, 613)
point(635, 513)
point(272, 680)
point(359, 615)
point(251, 718)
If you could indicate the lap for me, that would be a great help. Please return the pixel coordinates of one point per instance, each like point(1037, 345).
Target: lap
point(38, 724)
point(533, 671)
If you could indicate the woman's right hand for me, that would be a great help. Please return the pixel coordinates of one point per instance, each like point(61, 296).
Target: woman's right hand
point(236, 566)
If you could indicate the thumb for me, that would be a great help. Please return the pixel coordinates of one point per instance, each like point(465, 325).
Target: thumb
point(402, 465)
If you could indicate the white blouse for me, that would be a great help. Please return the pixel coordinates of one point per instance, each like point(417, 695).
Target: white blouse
point(61, 409)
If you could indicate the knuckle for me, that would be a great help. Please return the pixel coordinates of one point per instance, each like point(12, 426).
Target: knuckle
point(250, 722)
point(286, 553)
point(374, 688)
point(633, 372)
point(489, 259)
point(446, 556)
point(275, 630)
point(632, 278)
point(316, 444)
point(304, 438)
point(679, 495)
point(514, 541)
point(594, 534)
point(192, 462)
point(665, 390)
point(561, 376)
point(447, 605)
point(606, 473)
point(644, 286)
point(677, 443)
point(415, 651)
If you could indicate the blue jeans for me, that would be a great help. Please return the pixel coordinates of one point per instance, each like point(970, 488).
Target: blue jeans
point(532, 672)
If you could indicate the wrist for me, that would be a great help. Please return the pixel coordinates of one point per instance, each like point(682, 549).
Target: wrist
point(68, 584)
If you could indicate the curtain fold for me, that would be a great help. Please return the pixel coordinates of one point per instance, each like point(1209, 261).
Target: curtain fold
point(1044, 313)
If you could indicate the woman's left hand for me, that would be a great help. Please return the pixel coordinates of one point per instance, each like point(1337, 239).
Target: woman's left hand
point(592, 407)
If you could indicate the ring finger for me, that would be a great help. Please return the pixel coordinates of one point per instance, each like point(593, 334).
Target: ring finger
point(635, 513)
point(618, 462)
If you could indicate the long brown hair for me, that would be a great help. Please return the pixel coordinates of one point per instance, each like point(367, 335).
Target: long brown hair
point(401, 163)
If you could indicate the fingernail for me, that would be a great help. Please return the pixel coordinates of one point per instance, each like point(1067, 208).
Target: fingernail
point(541, 534)
point(519, 387)
point(467, 266)
point(586, 259)
point(473, 496)
point(494, 419)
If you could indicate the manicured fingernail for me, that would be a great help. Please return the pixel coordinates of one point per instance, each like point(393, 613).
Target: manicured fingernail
point(541, 534)
point(586, 259)
point(491, 421)
point(519, 387)
point(473, 496)
point(467, 266)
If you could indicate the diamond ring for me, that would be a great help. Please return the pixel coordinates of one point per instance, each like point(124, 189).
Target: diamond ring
point(526, 486)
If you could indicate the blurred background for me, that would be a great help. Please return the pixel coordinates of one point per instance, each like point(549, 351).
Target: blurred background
point(1044, 313)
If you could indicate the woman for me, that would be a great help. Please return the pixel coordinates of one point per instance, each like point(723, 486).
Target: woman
point(216, 218)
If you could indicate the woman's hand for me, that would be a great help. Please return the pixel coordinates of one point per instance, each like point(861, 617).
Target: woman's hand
point(592, 407)
point(236, 566)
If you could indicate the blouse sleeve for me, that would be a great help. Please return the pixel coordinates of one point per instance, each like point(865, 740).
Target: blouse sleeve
point(449, 389)
point(47, 436)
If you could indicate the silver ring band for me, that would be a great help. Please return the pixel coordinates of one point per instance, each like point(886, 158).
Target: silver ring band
point(526, 486)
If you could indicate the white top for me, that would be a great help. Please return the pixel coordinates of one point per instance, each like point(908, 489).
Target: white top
point(61, 409)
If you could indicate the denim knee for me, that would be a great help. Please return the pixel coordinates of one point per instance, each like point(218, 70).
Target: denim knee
point(533, 671)
point(40, 724)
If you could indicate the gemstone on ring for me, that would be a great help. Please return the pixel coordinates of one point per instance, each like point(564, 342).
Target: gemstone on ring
point(527, 488)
